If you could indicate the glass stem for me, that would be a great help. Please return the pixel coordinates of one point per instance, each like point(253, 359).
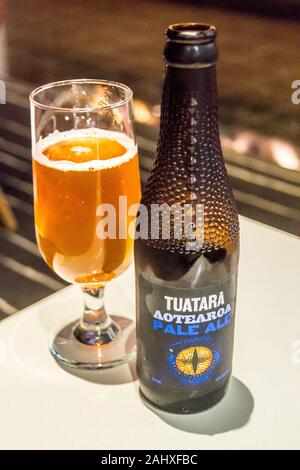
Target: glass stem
point(95, 327)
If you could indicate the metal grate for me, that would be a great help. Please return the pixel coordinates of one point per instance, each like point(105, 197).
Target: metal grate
point(25, 278)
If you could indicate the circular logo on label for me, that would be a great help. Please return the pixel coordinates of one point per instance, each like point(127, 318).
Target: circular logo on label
point(194, 360)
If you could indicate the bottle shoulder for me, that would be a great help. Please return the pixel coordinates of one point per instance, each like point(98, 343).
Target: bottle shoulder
point(204, 192)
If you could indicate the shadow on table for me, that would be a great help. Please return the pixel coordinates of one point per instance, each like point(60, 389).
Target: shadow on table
point(114, 376)
point(233, 412)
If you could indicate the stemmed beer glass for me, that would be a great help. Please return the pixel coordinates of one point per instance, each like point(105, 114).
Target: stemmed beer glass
point(85, 167)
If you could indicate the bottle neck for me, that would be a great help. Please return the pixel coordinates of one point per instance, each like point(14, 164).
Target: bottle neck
point(189, 112)
point(192, 79)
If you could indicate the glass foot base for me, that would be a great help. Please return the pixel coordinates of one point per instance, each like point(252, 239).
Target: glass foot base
point(71, 352)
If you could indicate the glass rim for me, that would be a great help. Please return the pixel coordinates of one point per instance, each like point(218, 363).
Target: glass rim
point(60, 83)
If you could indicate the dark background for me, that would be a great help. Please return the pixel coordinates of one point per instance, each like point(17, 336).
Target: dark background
point(47, 40)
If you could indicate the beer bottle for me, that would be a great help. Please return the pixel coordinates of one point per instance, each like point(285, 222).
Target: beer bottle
point(186, 286)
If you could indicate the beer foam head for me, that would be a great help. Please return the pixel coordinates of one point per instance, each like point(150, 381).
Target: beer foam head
point(91, 165)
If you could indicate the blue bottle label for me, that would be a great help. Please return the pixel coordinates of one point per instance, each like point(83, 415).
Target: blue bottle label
point(185, 336)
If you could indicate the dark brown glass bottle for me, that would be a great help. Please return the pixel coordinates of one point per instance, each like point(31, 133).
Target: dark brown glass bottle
point(186, 291)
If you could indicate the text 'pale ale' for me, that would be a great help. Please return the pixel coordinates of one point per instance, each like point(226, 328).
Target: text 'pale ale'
point(186, 287)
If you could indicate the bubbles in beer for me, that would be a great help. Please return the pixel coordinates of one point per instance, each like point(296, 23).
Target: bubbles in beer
point(75, 173)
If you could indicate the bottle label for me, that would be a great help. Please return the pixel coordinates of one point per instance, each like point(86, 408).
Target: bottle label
point(185, 336)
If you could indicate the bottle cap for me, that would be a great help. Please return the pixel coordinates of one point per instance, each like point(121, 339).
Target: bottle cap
point(197, 33)
point(191, 45)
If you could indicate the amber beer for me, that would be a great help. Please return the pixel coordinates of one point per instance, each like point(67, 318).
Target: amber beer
point(76, 175)
point(186, 289)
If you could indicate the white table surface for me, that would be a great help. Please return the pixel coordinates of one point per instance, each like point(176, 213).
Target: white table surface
point(43, 406)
